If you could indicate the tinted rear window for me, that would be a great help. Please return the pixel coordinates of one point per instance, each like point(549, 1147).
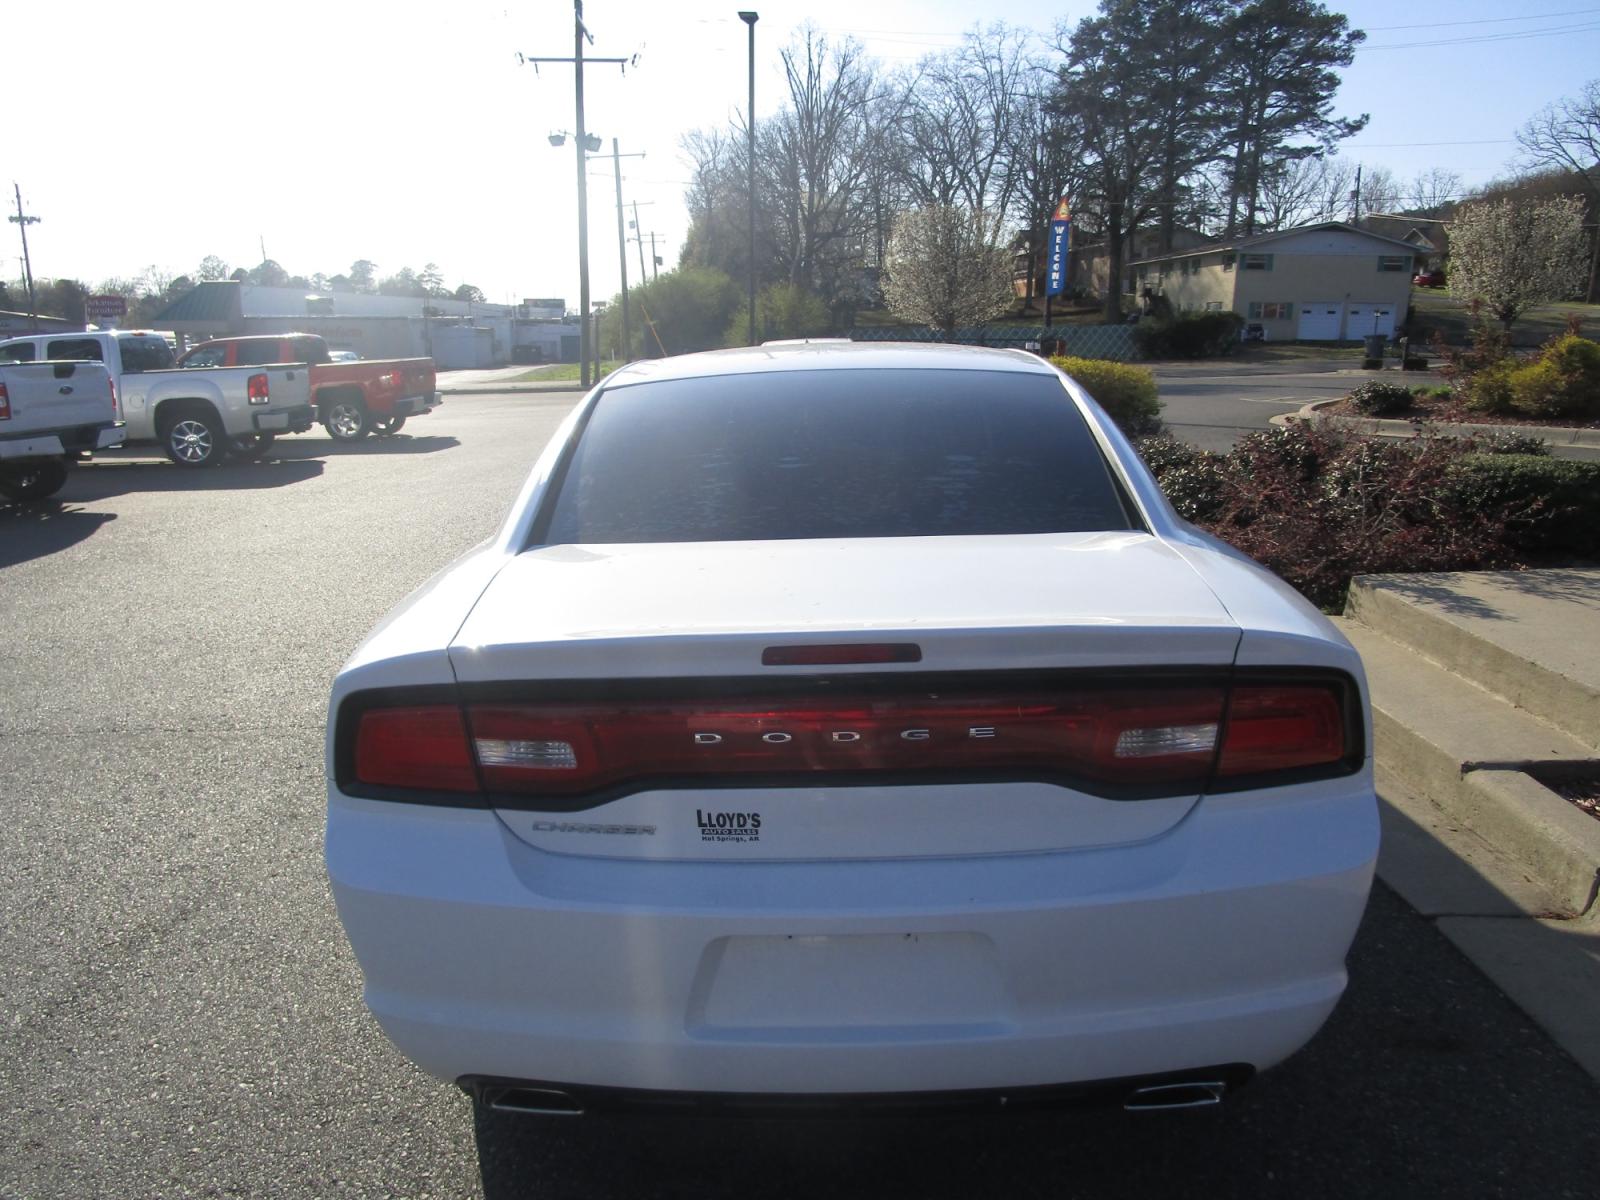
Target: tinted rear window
point(846, 453)
point(145, 354)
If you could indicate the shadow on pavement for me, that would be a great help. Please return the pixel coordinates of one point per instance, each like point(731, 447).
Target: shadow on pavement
point(106, 477)
point(301, 448)
point(34, 530)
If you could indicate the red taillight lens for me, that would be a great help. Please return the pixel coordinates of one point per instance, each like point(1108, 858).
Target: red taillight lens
point(116, 405)
point(258, 389)
point(1276, 727)
point(5, 403)
point(424, 748)
point(1116, 737)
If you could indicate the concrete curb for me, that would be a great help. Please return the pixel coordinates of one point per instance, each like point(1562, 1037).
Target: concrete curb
point(1566, 703)
point(1537, 828)
point(1558, 435)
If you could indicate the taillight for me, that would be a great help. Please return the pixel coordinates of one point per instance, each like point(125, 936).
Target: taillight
point(1283, 727)
point(257, 389)
point(1162, 738)
point(5, 403)
point(116, 405)
point(423, 748)
point(1112, 737)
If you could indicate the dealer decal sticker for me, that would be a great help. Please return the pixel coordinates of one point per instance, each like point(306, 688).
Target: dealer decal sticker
point(728, 826)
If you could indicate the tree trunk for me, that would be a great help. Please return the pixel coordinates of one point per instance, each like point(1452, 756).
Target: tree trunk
point(1114, 248)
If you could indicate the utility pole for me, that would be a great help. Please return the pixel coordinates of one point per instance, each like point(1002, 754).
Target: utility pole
point(750, 19)
point(638, 236)
point(580, 137)
point(655, 261)
point(622, 249)
point(1355, 198)
point(22, 221)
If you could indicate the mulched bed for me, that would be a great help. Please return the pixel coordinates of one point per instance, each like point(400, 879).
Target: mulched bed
point(1436, 410)
point(1581, 791)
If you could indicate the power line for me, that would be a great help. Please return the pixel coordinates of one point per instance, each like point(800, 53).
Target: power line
point(1484, 39)
point(1571, 12)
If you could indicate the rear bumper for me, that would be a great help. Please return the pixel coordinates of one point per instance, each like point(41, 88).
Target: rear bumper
point(1221, 941)
point(284, 420)
point(54, 443)
point(412, 406)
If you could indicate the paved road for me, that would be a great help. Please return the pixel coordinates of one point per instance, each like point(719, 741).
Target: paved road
point(1213, 405)
point(181, 1014)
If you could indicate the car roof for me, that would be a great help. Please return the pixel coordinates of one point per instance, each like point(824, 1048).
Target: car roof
point(829, 355)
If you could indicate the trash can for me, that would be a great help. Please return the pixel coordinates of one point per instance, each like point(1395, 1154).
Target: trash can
point(1375, 343)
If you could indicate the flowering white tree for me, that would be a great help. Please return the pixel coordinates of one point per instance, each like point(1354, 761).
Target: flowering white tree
point(946, 267)
point(1514, 253)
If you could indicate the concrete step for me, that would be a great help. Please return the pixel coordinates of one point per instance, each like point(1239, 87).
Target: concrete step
point(1464, 750)
point(1531, 637)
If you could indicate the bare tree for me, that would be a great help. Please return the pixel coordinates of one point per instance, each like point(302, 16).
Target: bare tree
point(1565, 136)
point(1380, 192)
point(947, 268)
point(1433, 190)
point(1511, 254)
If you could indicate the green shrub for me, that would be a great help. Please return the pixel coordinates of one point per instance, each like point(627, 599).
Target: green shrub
point(1489, 390)
point(1191, 478)
point(1189, 335)
point(1510, 443)
point(783, 310)
point(1128, 394)
point(1551, 505)
point(1379, 399)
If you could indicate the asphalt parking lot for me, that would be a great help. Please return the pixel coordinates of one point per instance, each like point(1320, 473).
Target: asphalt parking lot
point(182, 1016)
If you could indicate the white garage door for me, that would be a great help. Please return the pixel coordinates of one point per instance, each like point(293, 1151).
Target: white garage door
point(1319, 320)
point(1367, 318)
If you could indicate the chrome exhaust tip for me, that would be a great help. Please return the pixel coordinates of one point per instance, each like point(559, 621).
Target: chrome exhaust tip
point(1162, 1097)
point(528, 1101)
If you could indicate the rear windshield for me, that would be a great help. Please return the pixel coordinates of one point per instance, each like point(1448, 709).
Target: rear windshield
point(145, 354)
point(838, 453)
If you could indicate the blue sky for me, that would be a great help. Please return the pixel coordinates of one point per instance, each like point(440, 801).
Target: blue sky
point(391, 132)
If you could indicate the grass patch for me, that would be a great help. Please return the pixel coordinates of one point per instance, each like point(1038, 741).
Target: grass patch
point(1439, 310)
point(561, 373)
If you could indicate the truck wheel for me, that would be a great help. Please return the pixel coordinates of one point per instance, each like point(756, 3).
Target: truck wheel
point(387, 426)
point(33, 480)
point(194, 439)
point(250, 445)
point(347, 420)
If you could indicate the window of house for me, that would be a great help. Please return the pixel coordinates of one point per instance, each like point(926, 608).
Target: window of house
point(1394, 262)
point(1213, 305)
point(1258, 262)
point(1271, 310)
point(1227, 262)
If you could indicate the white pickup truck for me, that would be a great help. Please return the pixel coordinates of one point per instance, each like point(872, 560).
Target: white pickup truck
point(201, 416)
point(50, 413)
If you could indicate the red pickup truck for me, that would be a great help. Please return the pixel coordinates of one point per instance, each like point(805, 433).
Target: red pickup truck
point(352, 399)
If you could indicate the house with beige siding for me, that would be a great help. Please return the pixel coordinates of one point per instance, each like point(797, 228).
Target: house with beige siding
point(1321, 283)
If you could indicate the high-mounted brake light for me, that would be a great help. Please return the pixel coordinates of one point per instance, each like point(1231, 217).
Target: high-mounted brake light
point(258, 389)
point(5, 403)
point(818, 656)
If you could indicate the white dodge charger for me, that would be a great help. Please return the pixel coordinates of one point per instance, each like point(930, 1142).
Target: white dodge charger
point(842, 724)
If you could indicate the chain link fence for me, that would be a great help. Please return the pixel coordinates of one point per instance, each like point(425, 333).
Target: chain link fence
point(1113, 342)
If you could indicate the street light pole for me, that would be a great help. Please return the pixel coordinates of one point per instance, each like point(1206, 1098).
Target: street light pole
point(750, 19)
point(580, 132)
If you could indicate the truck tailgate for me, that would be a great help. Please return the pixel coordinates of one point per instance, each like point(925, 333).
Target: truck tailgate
point(44, 396)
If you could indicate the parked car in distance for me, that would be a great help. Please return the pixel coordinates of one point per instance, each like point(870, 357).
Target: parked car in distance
point(51, 413)
point(838, 724)
point(354, 397)
point(200, 418)
point(1434, 278)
